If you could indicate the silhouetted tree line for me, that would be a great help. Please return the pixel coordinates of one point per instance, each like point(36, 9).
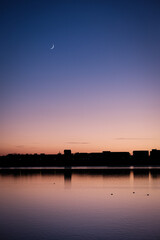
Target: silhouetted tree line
point(106, 158)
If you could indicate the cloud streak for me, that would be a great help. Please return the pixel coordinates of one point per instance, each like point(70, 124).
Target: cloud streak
point(121, 138)
point(77, 142)
point(20, 146)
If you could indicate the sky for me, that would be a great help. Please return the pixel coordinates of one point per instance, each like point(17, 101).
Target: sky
point(98, 89)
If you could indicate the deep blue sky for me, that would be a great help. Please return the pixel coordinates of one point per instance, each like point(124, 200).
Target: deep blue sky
point(103, 70)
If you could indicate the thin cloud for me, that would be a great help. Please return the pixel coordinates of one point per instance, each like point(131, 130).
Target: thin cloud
point(20, 146)
point(132, 138)
point(24, 146)
point(77, 142)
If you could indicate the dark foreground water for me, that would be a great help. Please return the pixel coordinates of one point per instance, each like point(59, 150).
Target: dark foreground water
point(80, 204)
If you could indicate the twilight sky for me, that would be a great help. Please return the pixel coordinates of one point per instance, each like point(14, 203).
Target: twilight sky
point(98, 89)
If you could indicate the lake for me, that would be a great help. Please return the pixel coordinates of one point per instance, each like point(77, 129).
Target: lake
point(80, 204)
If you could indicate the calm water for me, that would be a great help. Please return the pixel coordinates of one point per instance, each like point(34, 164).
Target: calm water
point(77, 204)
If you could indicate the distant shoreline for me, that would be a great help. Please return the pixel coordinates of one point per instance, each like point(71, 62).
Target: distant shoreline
point(104, 159)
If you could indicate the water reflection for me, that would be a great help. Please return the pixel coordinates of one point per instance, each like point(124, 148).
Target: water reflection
point(67, 173)
point(80, 204)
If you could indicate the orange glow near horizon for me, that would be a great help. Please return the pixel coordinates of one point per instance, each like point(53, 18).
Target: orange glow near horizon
point(94, 132)
point(111, 145)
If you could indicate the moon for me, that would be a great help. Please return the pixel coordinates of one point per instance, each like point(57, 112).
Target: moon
point(52, 46)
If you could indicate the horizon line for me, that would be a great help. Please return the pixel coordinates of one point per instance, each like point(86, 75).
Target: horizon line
point(105, 151)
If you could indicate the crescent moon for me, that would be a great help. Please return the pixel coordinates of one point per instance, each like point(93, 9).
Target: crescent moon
point(52, 46)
